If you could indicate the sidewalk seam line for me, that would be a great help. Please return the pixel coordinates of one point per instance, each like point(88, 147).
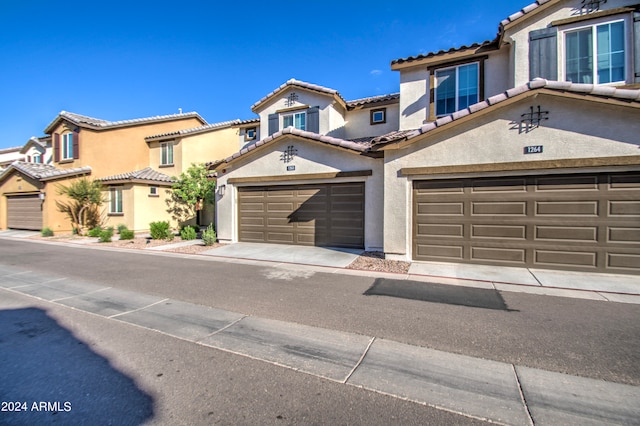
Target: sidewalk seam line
point(222, 329)
point(138, 309)
point(353, 370)
point(522, 398)
point(82, 294)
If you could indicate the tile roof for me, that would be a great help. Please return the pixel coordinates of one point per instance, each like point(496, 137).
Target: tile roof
point(9, 150)
point(519, 14)
point(624, 95)
point(302, 84)
point(33, 141)
point(195, 130)
point(373, 100)
point(44, 171)
point(478, 47)
point(146, 174)
point(360, 145)
point(96, 123)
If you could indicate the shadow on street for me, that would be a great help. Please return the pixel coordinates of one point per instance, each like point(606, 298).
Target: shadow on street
point(54, 378)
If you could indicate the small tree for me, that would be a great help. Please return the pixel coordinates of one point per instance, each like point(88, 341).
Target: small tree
point(190, 192)
point(83, 208)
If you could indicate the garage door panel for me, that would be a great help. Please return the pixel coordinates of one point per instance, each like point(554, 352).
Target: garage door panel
point(560, 208)
point(499, 231)
point(587, 222)
point(509, 255)
point(624, 208)
point(624, 235)
point(560, 233)
point(566, 183)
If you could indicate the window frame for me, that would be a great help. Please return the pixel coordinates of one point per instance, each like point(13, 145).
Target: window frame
point(479, 65)
point(153, 191)
point(166, 148)
point(593, 25)
point(36, 158)
point(372, 114)
point(66, 146)
point(293, 114)
point(115, 200)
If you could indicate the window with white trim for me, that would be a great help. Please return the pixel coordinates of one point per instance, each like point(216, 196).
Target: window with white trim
point(378, 116)
point(297, 120)
point(166, 154)
point(250, 133)
point(596, 54)
point(67, 146)
point(153, 191)
point(456, 88)
point(115, 200)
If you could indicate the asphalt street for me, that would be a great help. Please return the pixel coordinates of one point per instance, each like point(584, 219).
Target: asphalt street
point(596, 340)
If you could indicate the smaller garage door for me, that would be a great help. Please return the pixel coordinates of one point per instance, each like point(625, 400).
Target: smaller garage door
point(330, 215)
point(24, 212)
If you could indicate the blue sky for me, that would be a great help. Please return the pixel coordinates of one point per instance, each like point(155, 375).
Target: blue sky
point(121, 60)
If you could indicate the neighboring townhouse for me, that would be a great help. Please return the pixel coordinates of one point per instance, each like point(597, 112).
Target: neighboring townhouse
point(311, 179)
point(518, 151)
point(103, 150)
point(9, 155)
point(174, 152)
point(38, 150)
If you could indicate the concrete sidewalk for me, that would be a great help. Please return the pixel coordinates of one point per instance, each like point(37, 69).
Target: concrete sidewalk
point(473, 387)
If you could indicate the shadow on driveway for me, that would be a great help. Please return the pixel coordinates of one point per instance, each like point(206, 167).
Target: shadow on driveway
point(58, 379)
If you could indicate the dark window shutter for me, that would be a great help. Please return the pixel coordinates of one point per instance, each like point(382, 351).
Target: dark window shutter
point(76, 145)
point(313, 119)
point(636, 47)
point(543, 53)
point(274, 123)
point(56, 147)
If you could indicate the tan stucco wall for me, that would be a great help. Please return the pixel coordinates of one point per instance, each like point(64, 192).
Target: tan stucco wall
point(121, 150)
point(575, 129)
point(311, 158)
point(54, 219)
point(15, 183)
point(139, 209)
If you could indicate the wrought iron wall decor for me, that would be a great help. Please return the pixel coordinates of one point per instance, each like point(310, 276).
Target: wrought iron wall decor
point(288, 154)
point(532, 119)
point(589, 6)
point(291, 99)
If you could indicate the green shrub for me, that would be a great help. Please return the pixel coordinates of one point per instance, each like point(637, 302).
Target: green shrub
point(188, 233)
point(46, 232)
point(209, 236)
point(160, 230)
point(126, 234)
point(105, 235)
point(122, 227)
point(95, 232)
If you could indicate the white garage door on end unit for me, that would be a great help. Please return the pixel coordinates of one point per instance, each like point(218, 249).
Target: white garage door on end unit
point(24, 212)
point(587, 222)
point(330, 215)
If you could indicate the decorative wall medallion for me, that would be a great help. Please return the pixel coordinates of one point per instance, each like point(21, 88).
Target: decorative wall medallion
point(288, 154)
point(532, 119)
point(291, 100)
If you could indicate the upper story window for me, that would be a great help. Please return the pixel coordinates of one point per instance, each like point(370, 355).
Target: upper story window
point(456, 88)
point(166, 154)
point(297, 120)
point(378, 116)
point(596, 54)
point(37, 158)
point(250, 134)
point(67, 146)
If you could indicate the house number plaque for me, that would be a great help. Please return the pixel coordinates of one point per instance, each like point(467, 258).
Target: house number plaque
point(537, 149)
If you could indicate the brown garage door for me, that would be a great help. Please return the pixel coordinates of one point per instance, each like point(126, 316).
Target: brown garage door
point(321, 215)
point(576, 222)
point(24, 212)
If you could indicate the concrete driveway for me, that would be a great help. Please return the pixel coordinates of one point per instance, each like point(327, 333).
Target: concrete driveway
point(305, 255)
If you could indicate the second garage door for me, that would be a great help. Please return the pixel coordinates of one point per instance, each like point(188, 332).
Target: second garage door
point(587, 222)
point(329, 215)
point(24, 212)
